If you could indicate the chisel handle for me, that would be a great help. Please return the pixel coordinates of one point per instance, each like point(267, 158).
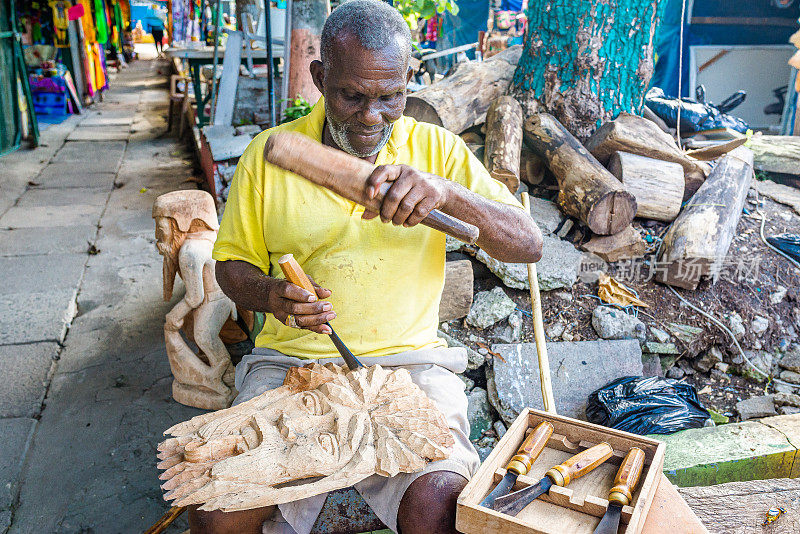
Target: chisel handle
point(580, 464)
point(295, 274)
point(530, 449)
point(627, 478)
point(347, 176)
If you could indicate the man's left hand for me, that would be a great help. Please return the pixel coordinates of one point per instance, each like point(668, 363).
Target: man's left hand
point(412, 196)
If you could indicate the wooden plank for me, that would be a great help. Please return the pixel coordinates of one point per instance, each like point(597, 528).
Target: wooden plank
point(741, 506)
point(669, 513)
point(226, 96)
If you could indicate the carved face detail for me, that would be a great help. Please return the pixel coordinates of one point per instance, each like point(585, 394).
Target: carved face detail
point(323, 422)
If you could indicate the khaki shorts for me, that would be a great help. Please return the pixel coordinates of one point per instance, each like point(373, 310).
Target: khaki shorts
point(433, 370)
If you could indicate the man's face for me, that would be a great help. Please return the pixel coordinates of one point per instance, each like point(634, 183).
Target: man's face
point(365, 93)
point(163, 234)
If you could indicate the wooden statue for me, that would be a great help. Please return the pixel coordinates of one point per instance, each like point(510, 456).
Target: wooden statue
point(324, 421)
point(186, 228)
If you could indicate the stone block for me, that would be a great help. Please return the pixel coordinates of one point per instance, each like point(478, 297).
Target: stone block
point(756, 407)
point(24, 369)
point(479, 413)
point(84, 196)
point(29, 317)
point(789, 426)
point(727, 453)
point(50, 216)
point(96, 175)
point(100, 133)
point(109, 152)
point(576, 370)
point(15, 438)
point(35, 274)
point(59, 240)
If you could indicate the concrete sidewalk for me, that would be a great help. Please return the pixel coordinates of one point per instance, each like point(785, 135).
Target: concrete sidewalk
point(86, 391)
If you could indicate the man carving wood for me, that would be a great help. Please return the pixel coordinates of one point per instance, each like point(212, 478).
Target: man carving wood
point(383, 272)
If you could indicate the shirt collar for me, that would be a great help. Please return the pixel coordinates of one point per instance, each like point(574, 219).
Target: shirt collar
point(387, 155)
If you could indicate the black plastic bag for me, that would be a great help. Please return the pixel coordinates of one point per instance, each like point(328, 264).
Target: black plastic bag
point(646, 405)
point(695, 116)
point(789, 244)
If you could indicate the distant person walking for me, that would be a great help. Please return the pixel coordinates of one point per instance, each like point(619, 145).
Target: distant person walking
point(157, 23)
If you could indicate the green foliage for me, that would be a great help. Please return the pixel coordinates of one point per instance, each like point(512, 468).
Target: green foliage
point(415, 9)
point(298, 107)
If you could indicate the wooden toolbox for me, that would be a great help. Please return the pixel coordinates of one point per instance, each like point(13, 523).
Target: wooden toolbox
point(574, 509)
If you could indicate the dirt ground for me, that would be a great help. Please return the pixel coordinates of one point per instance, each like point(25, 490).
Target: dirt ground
point(751, 276)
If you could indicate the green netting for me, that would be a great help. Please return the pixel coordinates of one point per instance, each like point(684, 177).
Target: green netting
point(8, 103)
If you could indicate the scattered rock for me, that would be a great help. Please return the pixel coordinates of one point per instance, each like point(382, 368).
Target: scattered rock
point(566, 336)
point(489, 307)
point(565, 228)
point(659, 335)
point(484, 452)
point(555, 330)
point(479, 413)
point(790, 376)
point(708, 360)
point(651, 365)
point(558, 267)
point(546, 214)
point(781, 388)
point(676, 373)
point(468, 382)
point(778, 295)
point(791, 360)
point(474, 360)
point(612, 323)
point(722, 366)
point(687, 367)
point(788, 410)
point(451, 244)
point(762, 360)
point(576, 370)
point(499, 429)
point(566, 296)
point(483, 351)
point(736, 325)
point(686, 333)
point(759, 324)
point(661, 348)
point(787, 399)
point(756, 407)
point(716, 374)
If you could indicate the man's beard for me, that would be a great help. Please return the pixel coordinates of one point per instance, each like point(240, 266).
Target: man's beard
point(339, 134)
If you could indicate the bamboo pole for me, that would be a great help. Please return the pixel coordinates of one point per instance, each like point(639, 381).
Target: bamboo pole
point(538, 331)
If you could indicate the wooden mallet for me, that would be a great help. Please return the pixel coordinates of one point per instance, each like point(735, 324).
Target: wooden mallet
point(347, 176)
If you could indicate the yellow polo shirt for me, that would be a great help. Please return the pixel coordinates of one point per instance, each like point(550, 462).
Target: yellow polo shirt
point(386, 281)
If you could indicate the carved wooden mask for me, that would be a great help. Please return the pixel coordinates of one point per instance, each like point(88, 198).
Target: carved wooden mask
point(325, 421)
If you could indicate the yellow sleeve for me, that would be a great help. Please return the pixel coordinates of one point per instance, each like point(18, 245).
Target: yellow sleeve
point(240, 233)
point(463, 167)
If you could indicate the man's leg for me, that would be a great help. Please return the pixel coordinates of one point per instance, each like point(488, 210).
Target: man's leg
point(218, 522)
point(429, 504)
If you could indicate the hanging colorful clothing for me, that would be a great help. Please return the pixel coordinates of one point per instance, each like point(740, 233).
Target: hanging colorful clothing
point(89, 33)
point(101, 21)
point(60, 23)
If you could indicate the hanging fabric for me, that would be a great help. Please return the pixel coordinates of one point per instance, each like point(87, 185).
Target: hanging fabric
point(100, 21)
point(60, 23)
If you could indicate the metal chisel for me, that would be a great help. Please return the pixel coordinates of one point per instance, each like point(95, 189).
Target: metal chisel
point(521, 463)
point(295, 274)
point(560, 475)
point(621, 494)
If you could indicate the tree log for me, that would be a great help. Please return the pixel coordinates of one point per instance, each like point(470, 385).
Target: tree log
point(587, 191)
point(698, 241)
point(585, 62)
point(656, 184)
point(623, 245)
point(462, 99)
point(504, 141)
point(531, 167)
point(629, 133)
point(457, 294)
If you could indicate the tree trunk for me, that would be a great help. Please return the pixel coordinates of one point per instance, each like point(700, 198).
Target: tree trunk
point(656, 184)
point(629, 133)
point(586, 61)
point(587, 191)
point(623, 245)
point(504, 141)
point(308, 16)
point(462, 99)
point(698, 241)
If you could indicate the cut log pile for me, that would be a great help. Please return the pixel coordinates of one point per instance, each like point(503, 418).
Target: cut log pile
point(628, 172)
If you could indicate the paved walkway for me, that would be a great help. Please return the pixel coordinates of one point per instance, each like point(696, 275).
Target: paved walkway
point(86, 382)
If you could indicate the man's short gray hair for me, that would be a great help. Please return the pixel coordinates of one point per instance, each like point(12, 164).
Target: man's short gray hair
point(375, 24)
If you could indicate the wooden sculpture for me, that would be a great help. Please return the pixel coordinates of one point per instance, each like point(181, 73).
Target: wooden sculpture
point(186, 228)
point(324, 421)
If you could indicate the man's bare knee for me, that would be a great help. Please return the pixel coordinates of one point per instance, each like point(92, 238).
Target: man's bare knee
point(218, 522)
point(429, 504)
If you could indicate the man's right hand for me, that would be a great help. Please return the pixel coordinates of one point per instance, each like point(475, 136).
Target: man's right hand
point(309, 311)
